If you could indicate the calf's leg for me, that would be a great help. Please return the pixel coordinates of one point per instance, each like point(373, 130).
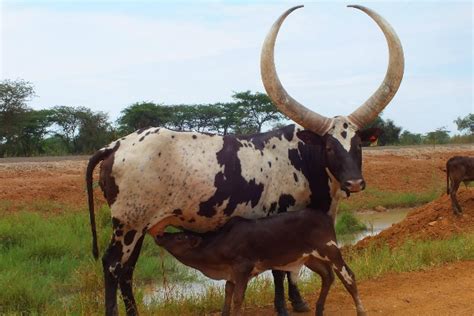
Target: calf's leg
point(327, 278)
point(299, 305)
point(229, 292)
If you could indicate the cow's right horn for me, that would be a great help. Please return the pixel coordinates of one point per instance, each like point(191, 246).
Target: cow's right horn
point(284, 102)
point(368, 111)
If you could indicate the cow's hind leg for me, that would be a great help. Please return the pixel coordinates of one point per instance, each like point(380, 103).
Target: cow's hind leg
point(299, 305)
point(452, 193)
point(327, 278)
point(126, 278)
point(118, 263)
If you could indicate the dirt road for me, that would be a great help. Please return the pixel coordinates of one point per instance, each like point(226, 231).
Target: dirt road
point(445, 290)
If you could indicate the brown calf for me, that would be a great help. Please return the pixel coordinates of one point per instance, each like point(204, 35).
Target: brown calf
point(458, 169)
point(243, 248)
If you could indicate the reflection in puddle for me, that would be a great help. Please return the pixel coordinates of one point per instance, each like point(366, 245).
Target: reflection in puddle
point(376, 222)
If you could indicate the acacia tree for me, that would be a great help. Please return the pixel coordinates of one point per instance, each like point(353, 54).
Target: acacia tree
point(143, 114)
point(258, 109)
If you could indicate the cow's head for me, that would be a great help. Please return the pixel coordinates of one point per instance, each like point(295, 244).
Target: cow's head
point(341, 136)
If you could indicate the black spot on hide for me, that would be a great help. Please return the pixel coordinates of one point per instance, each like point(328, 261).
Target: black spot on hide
point(177, 212)
point(345, 125)
point(344, 134)
point(194, 137)
point(230, 184)
point(129, 236)
point(295, 176)
point(285, 201)
point(260, 140)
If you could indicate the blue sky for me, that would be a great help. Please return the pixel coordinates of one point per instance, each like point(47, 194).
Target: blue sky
point(106, 55)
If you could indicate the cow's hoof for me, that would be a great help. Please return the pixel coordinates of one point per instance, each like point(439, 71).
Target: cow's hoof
point(301, 307)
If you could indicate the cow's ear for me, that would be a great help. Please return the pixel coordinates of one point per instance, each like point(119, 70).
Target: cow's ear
point(310, 137)
point(370, 134)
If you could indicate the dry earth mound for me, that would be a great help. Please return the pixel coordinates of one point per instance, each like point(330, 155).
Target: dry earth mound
point(434, 220)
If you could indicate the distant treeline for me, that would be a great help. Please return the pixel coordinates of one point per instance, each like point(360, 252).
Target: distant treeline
point(64, 130)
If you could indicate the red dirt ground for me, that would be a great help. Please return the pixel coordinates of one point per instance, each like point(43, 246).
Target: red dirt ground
point(434, 220)
point(445, 290)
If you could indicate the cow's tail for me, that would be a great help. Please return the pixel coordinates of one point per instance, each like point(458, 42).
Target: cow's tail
point(93, 162)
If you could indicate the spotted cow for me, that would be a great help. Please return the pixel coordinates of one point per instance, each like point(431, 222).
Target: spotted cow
point(156, 177)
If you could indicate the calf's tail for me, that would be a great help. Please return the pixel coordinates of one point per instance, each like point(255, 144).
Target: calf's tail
point(93, 162)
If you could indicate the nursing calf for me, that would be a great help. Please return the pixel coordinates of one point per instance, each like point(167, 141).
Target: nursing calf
point(458, 169)
point(243, 248)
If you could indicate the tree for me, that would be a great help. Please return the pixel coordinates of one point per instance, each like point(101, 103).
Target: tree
point(143, 114)
point(81, 130)
point(390, 131)
point(94, 131)
point(13, 97)
point(438, 136)
point(258, 108)
point(407, 138)
point(466, 124)
point(33, 130)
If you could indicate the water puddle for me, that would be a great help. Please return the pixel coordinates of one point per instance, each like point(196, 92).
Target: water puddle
point(375, 221)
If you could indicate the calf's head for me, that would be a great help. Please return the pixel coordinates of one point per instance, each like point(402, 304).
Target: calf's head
point(178, 244)
point(341, 136)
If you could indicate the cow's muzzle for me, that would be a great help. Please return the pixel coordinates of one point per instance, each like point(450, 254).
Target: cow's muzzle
point(356, 185)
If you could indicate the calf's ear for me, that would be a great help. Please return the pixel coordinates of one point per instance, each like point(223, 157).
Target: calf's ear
point(309, 137)
point(370, 134)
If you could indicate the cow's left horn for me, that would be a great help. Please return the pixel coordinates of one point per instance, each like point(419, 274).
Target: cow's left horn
point(368, 111)
point(284, 102)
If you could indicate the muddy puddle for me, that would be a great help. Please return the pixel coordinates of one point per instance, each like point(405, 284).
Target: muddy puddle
point(375, 222)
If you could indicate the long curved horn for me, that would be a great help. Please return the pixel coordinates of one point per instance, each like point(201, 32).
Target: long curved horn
point(368, 111)
point(284, 102)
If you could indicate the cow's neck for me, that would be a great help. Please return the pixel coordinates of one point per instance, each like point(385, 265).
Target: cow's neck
point(313, 167)
point(336, 194)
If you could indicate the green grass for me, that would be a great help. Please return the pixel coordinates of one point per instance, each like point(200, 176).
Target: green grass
point(46, 262)
point(373, 197)
point(347, 223)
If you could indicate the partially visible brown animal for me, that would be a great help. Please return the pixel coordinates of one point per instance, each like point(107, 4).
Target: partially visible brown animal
point(243, 248)
point(458, 169)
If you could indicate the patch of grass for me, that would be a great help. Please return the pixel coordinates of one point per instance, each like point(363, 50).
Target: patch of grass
point(47, 266)
point(411, 256)
point(347, 223)
point(373, 197)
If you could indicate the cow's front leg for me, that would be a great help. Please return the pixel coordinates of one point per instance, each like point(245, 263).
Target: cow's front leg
point(299, 305)
point(279, 299)
point(229, 292)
